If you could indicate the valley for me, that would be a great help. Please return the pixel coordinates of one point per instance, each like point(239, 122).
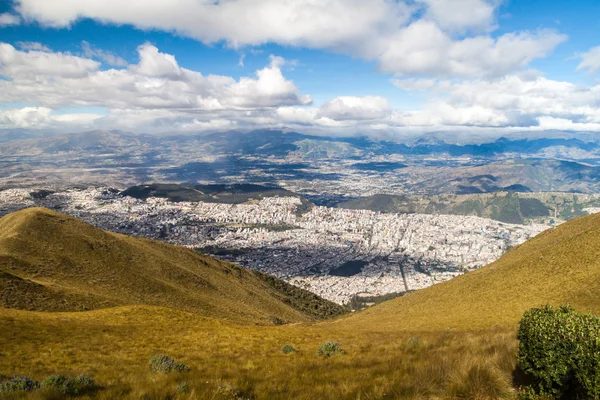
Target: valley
point(398, 252)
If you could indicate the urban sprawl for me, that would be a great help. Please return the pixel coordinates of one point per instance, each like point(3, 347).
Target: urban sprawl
point(335, 253)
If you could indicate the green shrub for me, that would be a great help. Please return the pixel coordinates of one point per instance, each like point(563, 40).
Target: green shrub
point(329, 349)
point(164, 364)
point(183, 388)
point(287, 349)
point(559, 349)
point(19, 384)
point(71, 386)
point(414, 341)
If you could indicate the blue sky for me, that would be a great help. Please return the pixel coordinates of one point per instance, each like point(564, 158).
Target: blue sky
point(331, 66)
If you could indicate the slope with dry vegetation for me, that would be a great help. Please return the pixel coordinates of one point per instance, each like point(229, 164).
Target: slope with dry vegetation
point(453, 340)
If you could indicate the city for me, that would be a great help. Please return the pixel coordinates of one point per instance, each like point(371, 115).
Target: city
point(335, 253)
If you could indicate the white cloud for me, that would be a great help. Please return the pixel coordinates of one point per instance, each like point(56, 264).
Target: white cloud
point(590, 60)
point(7, 19)
point(156, 93)
point(105, 56)
point(32, 46)
point(41, 117)
point(355, 108)
point(461, 15)
point(423, 37)
point(37, 65)
point(424, 49)
point(157, 81)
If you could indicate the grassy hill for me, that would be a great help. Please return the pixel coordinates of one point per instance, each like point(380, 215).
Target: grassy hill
point(455, 340)
point(52, 262)
point(507, 206)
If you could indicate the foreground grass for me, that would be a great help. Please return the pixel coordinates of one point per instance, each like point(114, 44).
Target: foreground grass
point(228, 361)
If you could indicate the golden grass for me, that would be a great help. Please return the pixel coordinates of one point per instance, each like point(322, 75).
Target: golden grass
point(114, 346)
point(466, 343)
point(52, 262)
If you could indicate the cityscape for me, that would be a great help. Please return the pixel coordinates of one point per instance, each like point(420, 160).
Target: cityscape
point(332, 252)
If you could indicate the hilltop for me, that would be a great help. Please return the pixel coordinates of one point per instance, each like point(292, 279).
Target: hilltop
point(558, 266)
point(52, 262)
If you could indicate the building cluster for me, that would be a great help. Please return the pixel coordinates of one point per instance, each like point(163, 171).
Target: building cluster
point(397, 252)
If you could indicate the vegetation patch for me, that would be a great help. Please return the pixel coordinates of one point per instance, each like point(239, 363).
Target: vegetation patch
point(287, 349)
point(183, 388)
point(162, 364)
point(71, 386)
point(559, 349)
point(329, 349)
point(19, 384)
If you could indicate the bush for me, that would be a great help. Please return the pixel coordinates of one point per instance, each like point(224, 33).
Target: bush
point(71, 386)
point(165, 364)
point(559, 349)
point(183, 388)
point(19, 384)
point(329, 349)
point(287, 349)
point(414, 341)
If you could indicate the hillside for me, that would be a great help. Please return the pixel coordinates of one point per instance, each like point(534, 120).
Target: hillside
point(558, 266)
point(52, 262)
point(453, 340)
point(507, 206)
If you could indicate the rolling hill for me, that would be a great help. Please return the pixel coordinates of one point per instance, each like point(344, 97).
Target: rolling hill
point(52, 262)
point(455, 340)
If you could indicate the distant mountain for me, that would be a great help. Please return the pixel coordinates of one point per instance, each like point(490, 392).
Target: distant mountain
point(52, 262)
point(559, 266)
point(503, 207)
point(278, 143)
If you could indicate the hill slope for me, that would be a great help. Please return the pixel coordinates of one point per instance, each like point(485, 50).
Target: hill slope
point(52, 262)
point(558, 266)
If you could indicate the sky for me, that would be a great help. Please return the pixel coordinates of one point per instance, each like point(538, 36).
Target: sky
point(340, 67)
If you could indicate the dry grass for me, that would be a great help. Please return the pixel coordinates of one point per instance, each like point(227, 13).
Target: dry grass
point(52, 262)
point(114, 346)
point(454, 340)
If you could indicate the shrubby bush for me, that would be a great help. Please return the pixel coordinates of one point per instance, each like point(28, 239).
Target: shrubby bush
point(559, 349)
point(164, 364)
point(183, 388)
point(19, 384)
point(414, 341)
point(72, 386)
point(329, 349)
point(287, 349)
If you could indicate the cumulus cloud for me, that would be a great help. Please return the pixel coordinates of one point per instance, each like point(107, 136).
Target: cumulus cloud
point(7, 19)
point(42, 117)
point(590, 60)
point(156, 92)
point(424, 49)
point(423, 37)
point(356, 108)
point(37, 64)
point(105, 56)
point(156, 81)
point(461, 15)
point(32, 46)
